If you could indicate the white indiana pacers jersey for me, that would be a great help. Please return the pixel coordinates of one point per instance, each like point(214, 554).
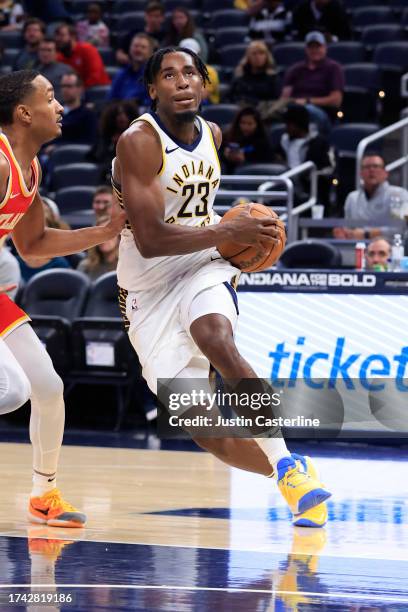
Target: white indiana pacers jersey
point(189, 179)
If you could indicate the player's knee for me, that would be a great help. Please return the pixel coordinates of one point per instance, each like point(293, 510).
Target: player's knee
point(51, 389)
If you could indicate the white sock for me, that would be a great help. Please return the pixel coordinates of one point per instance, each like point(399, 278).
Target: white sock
point(275, 449)
point(42, 484)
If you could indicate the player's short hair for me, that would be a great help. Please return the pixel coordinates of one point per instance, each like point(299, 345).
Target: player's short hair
point(103, 189)
point(14, 89)
point(153, 66)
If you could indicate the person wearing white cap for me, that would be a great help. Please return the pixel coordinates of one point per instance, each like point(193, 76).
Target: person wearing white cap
point(211, 92)
point(318, 81)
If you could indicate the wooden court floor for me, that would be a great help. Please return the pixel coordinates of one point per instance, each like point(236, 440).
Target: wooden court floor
point(171, 530)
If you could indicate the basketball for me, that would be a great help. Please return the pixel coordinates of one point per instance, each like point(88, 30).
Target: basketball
point(252, 258)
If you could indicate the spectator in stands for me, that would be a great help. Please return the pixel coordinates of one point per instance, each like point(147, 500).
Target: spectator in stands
point(326, 15)
point(115, 119)
point(102, 258)
point(378, 254)
point(79, 122)
point(48, 65)
point(102, 202)
point(182, 26)
point(255, 76)
point(9, 270)
point(376, 201)
point(270, 20)
point(83, 57)
point(92, 29)
point(128, 82)
point(30, 266)
point(246, 142)
point(298, 143)
point(11, 15)
point(154, 17)
point(211, 92)
point(317, 82)
point(33, 33)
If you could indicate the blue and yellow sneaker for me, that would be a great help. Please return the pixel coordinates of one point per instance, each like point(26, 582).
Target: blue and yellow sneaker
point(301, 491)
point(317, 516)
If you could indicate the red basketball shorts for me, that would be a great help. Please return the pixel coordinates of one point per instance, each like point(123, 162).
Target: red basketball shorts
point(11, 316)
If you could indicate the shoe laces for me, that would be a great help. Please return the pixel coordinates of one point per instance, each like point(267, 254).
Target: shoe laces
point(294, 477)
point(55, 500)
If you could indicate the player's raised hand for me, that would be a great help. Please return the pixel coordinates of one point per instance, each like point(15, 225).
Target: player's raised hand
point(116, 222)
point(5, 288)
point(249, 230)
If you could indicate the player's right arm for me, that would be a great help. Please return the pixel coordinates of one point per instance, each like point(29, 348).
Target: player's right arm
point(139, 155)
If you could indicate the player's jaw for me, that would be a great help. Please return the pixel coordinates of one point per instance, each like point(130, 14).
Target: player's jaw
point(185, 106)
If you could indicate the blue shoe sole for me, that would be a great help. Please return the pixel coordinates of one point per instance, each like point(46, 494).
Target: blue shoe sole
point(312, 499)
point(302, 522)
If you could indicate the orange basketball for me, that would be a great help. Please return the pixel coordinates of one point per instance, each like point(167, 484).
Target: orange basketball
point(252, 258)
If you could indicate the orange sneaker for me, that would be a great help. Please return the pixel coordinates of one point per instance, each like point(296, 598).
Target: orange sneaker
point(50, 509)
point(39, 543)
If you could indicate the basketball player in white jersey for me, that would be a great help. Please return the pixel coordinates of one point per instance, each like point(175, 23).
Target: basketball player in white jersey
point(30, 116)
point(175, 288)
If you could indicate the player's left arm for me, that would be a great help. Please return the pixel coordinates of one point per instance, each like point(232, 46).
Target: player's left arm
point(33, 239)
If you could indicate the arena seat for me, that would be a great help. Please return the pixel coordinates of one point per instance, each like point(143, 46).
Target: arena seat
point(345, 138)
point(392, 54)
point(288, 53)
point(372, 15)
point(78, 174)
point(170, 5)
point(130, 21)
point(77, 7)
point(363, 74)
point(232, 17)
point(101, 350)
point(314, 254)
point(210, 6)
point(346, 52)
point(119, 7)
point(97, 95)
point(222, 114)
point(9, 56)
point(68, 154)
point(53, 298)
point(275, 132)
point(72, 199)
point(231, 55)
point(12, 40)
point(354, 4)
point(359, 104)
point(230, 36)
point(108, 55)
point(374, 35)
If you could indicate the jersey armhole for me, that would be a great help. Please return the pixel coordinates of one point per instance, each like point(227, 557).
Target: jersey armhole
point(9, 182)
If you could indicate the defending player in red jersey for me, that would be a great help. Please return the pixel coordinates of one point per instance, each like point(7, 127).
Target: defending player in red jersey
point(29, 117)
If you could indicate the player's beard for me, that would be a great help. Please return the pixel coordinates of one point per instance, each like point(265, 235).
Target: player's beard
point(187, 116)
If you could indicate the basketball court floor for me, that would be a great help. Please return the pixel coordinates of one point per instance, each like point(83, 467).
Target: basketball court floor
point(179, 531)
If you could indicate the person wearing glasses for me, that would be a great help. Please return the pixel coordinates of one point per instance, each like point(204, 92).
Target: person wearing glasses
point(376, 202)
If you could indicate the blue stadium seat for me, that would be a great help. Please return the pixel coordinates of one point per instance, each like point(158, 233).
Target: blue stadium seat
point(359, 104)
point(230, 36)
point(69, 154)
point(119, 7)
point(222, 114)
point(377, 34)
point(77, 7)
point(288, 53)
point(345, 138)
point(275, 132)
point(347, 52)
point(231, 55)
point(354, 4)
point(9, 56)
point(393, 54)
point(232, 17)
point(372, 15)
point(77, 174)
point(314, 254)
point(130, 21)
point(97, 95)
point(209, 6)
point(363, 74)
point(108, 55)
point(170, 5)
point(72, 199)
point(254, 169)
point(11, 40)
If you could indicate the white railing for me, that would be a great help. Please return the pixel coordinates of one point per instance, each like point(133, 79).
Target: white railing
point(265, 191)
point(402, 161)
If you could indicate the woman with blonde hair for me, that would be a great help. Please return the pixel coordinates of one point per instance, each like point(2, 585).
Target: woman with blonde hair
point(255, 76)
